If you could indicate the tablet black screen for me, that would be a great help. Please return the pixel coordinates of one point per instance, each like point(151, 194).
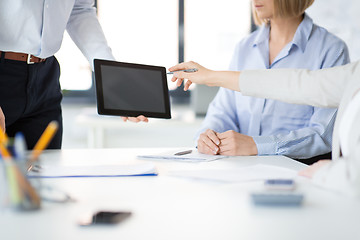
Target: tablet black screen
point(131, 89)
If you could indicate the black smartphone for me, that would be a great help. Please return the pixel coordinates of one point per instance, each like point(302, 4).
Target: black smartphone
point(104, 217)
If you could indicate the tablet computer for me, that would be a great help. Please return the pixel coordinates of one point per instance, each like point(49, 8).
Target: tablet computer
point(130, 90)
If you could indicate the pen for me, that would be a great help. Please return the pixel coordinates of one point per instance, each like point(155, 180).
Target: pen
point(44, 141)
point(15, 192)
point(19, 146)
point(184, 70)
point(183, 152)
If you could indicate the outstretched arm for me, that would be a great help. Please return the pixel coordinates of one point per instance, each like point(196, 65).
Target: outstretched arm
point(320, 88)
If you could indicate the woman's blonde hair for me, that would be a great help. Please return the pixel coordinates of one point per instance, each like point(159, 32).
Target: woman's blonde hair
point(285, 8)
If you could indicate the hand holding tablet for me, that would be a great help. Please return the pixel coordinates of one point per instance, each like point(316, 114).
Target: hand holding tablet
point(137, 119)
point(131, 90)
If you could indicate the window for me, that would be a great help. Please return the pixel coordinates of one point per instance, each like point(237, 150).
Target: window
point(138, 31)
point(147, 32)
point(341, 19)
point(213, 28)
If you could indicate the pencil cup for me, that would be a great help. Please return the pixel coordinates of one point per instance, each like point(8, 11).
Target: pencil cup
point(22, 164)
point(21, 194)
point(33, 168)
point(25, 167)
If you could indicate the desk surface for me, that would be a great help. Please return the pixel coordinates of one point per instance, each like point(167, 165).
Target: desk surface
point(166, 207)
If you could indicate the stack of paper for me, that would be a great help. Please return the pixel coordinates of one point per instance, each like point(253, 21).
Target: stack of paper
point(252, 173)
point(145, 169)
point(191, 156)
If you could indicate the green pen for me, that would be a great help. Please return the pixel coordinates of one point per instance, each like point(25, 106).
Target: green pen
point(14, 189)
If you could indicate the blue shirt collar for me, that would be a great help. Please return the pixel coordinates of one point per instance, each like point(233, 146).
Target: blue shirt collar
point(263, 35)
point(300, 39)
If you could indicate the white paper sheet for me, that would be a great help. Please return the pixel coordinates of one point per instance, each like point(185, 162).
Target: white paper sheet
point(194, 156)
point(252, 173)
point(95, 171)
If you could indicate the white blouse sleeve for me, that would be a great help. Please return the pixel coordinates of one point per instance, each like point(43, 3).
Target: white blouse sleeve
point(335, 176)
point(343, 174)
point(320, 88)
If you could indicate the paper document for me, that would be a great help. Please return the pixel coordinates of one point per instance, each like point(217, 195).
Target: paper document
point(252, 173)
point(145, 169)
point(190, 155)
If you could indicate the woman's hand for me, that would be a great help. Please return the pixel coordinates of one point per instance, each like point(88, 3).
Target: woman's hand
point(233, 143)
point(201, 76)
point(312, 169)
point(208, 142)
point(226, 79)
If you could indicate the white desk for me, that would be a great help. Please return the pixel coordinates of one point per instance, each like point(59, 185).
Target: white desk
point(166, 207)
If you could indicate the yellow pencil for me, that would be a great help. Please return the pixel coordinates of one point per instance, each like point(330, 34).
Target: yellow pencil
point(4, 152)
point(3, 137)
point(44, 140)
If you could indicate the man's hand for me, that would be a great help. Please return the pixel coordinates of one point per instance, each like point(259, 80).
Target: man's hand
point(208, 142)
point(236, 144)
point(2, 120)
point(312, 169)
point(137, 119)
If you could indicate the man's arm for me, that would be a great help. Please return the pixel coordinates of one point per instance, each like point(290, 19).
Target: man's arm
point(86, 32)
